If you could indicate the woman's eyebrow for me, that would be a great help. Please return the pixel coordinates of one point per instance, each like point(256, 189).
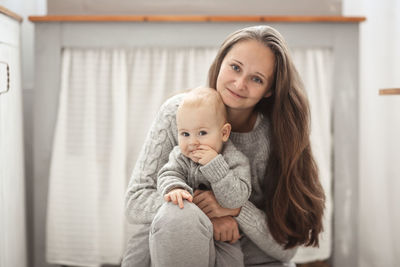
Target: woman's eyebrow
point(262, 75)
point(237, 61)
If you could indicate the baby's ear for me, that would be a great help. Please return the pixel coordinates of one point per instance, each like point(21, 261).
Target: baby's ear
point(226, 131)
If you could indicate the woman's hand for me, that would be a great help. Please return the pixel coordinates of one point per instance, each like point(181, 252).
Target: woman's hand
point(207, 202)
point(226, 229)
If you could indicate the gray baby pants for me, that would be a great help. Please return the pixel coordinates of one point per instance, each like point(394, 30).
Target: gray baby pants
point(184, 237)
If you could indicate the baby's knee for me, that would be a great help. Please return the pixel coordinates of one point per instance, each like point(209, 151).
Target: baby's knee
point(174, 219)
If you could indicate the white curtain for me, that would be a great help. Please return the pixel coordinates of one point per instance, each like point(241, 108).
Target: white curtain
point(315, 67)
point(108, 100)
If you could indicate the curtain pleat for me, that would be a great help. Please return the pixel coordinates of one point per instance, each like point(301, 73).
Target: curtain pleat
point(108, 100)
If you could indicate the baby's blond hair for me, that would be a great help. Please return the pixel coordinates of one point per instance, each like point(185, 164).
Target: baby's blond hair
point(205, 96)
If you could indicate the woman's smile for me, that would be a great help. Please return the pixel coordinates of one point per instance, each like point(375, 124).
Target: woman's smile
point(234, 94)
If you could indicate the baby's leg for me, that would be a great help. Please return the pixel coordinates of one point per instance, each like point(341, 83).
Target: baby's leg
point(228, 255)
point(137, 253)
point(181, 237)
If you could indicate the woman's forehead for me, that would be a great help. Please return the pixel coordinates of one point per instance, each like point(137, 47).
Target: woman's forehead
point(253, 54)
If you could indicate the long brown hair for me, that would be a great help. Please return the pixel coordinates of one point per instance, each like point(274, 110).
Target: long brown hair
point(293, 196)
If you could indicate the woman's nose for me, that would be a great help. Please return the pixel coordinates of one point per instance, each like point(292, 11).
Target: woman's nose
point(240, 82)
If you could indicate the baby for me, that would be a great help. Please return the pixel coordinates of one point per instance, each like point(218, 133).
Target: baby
point(205, 158)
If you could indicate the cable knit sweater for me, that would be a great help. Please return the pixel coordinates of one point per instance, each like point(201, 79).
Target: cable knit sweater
point(228, 175)
point(143, 200)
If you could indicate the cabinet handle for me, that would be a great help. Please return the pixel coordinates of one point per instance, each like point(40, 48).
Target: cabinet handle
point(389, 91)
point(4, 87)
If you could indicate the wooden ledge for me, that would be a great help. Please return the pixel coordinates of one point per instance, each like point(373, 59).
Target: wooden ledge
point(11, 14)
point(182, 18)
point(389, 91)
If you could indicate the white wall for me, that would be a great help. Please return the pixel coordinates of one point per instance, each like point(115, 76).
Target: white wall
point(380, 131)
point(25, 8)
point(203, 7)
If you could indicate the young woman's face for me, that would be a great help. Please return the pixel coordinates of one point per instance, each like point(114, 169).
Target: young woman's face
point(246, 74)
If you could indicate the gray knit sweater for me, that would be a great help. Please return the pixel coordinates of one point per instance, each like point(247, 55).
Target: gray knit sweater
point(143, 200)
point(228, 175)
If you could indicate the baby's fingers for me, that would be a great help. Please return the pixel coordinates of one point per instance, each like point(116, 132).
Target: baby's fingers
point(188, 196)
point(204, 147)
point(167, 198)
point(174, 199)
point(197, 153)
point(180, 201)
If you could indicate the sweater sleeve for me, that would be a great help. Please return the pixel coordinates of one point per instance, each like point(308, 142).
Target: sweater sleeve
point(253, 222)
point(142, 199)
point(174, 173)
point(230, 177)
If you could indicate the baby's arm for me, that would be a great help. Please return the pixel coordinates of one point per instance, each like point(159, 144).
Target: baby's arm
point(230, 177)
point(171, 182)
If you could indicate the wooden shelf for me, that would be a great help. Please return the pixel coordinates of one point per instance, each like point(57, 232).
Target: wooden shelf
point(196, 18)
point(389, 91)
point(11, 14)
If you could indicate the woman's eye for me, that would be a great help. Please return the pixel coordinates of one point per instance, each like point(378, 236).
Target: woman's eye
point(235, 67)
point(186, 134)
point(202, 133)
point(257, 80)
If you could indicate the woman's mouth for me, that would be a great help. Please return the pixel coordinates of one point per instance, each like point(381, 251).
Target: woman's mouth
point(234, 94)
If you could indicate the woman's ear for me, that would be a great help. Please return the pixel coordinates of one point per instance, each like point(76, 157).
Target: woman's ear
point(226, 131)
point(268, 93)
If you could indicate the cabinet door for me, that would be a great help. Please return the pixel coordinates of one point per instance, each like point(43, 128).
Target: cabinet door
point(12, 180)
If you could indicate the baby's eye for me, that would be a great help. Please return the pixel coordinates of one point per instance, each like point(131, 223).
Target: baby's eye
point(235, 67)
point(186, 134)
point(202, 133)
point(257, 80)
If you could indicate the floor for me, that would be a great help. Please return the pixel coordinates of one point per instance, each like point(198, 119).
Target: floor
point(314, 264)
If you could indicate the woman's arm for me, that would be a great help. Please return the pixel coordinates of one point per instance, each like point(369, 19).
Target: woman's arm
point(142, 199)
point(253, 222)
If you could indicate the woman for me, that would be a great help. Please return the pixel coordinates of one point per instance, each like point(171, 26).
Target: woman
point(269, 114)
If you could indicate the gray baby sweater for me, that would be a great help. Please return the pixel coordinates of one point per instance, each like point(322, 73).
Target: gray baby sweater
point(228, 175)
point(143, 200)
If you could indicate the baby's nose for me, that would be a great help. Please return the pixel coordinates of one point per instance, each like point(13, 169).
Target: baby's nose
point(194, 142)
point(193, 145)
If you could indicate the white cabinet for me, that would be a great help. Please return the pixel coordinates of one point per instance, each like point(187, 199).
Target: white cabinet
point(13, 251)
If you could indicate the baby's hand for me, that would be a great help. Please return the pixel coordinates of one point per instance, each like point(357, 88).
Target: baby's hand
point(177, 196)
point(204, 154)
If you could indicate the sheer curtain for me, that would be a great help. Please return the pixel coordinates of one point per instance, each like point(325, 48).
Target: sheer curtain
point(315, 67)
point(108, 100)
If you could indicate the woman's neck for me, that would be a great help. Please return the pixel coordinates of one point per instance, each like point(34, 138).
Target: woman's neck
point(242, 121)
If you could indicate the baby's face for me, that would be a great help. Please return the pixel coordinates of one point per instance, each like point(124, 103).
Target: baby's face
point(198, 126)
